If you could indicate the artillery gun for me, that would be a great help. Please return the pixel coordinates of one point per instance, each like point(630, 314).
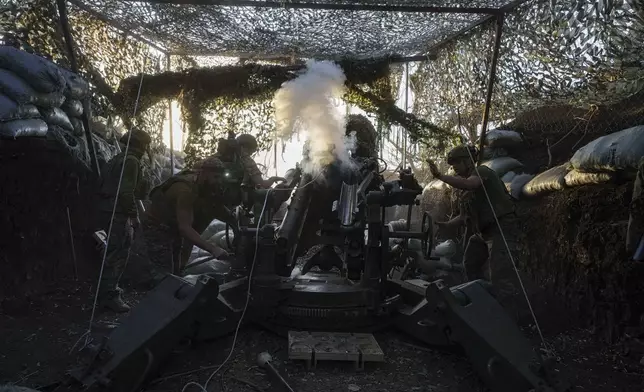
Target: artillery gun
point(350, 280)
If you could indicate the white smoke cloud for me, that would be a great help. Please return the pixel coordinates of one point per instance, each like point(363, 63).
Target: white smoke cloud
point(307, 106)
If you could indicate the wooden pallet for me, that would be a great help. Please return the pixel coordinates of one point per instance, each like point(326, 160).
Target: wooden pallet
point(334, 346)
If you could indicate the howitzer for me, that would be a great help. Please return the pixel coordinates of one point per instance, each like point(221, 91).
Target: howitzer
point(346, 284)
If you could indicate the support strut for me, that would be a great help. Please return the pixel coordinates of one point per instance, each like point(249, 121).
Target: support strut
point(490, 82)
point(69, 41)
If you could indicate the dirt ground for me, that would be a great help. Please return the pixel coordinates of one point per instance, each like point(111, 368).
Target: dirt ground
point(40, 336)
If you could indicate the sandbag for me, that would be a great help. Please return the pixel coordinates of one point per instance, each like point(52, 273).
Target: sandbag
point(208, 267)
point(77, 125)
point(76, 87)
point(436, 185)
point(615, 152)
point(498, 138)
point(446, 249)
point(15, 88)
point(577, 178)
point(67, 142)
point(15, 388)
point(219, 239)
point(550, 180)
point(10, 110)
point(507, 177)
point(491, 153)
point(516, 186)
point(22, 128)
point(214, 227)
point(43, 75)
point(503, 165)
point(73, 107)
point(22, 93)
point(55, 116)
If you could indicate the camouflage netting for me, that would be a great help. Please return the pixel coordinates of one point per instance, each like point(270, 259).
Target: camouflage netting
point(566, 54)
point(302, 33)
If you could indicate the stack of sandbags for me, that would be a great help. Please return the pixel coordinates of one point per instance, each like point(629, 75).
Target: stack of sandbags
point(29, 86)
point(607, 158)
point(499, 145)
point(76, 91)
point(38, 98)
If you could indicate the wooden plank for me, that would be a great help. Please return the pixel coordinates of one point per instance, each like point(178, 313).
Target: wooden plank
point(334, 346)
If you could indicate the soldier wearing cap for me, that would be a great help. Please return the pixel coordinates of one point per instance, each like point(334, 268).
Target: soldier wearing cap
point(479, 215)
point(181, 208)
point(120, 190)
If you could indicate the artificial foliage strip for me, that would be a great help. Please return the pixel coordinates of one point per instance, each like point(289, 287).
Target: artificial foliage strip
point(239, 98)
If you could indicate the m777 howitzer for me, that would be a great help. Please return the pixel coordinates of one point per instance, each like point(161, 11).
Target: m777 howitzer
point(339, 224)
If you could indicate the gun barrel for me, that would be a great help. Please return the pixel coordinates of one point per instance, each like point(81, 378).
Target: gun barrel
point(291, 228)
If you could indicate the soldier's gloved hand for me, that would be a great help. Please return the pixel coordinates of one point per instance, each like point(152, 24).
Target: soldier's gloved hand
point(433, 168)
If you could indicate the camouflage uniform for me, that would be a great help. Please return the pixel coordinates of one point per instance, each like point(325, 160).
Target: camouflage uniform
point(125, 213)
point(251, 170)
point(636, 218)
point(482, 228)
point(166, 247)
point(482, 222)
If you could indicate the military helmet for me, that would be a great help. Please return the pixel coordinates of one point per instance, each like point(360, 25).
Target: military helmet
point(247, 140)
point(210, 164)
point(366, 135)
point(139, 138)
point(461, 152)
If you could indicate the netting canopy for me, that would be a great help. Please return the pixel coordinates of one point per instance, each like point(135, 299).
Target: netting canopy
point(322, 29)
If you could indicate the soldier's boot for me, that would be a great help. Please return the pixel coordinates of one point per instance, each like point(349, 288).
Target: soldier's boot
point(113, 301)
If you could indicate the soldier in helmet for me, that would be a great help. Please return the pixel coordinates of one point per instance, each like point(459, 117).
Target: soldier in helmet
point(121, 190)
point(484, 201)
point(247, 147)
point(181, 208)
point(366, 136)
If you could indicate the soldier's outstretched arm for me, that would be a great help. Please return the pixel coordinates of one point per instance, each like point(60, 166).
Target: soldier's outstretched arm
point(185, 217)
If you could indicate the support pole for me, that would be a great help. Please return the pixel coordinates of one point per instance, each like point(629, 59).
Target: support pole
point(69, 41)
point(490, 83)
point(404, 165)
point(171, 126)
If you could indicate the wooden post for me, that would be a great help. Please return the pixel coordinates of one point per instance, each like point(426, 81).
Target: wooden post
point(69, 41)
point(171, 127)
point(490, 83)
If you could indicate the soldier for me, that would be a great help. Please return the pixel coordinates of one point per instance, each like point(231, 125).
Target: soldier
point(248, 146)
point(126, 218)
point(366, 136)
point(483, 235)
point(181, 208)
point(636, 218)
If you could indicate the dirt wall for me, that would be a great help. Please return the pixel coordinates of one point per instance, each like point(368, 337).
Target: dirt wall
point(573, 245)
